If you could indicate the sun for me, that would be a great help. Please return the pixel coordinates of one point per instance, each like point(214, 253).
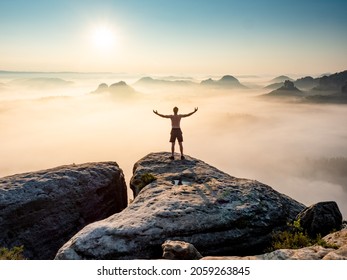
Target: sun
point(103, 37)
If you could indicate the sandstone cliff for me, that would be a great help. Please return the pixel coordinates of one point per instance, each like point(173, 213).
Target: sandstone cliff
point(186, 200)
point(43, 210)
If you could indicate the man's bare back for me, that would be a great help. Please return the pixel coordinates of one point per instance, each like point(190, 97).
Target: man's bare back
point(175, 121)
point(176, 132)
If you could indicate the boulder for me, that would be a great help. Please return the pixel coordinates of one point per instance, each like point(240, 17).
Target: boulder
point(43, 210)
point(186, 200)
point(321, 218)
point(179, 250)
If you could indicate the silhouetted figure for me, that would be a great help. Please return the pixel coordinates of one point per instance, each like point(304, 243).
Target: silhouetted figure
point(176, 131)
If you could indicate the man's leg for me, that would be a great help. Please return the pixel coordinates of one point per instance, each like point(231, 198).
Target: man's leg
point(181, 149)
point(172, 149)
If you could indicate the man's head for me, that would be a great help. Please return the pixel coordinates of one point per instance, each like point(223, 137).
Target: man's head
point(175, 110)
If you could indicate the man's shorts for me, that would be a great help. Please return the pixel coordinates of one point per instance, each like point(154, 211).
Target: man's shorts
point(176, 133)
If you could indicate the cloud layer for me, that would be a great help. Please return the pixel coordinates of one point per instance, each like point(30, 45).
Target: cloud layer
point(236, 131)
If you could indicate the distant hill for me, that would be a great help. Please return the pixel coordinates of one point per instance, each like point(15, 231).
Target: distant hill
point(336, 98)
point(330, 89)
point(120, 86)
point(2, 86)
point(328, 83)
point(306, 83)
point(41, 82)
point(274, 85)
point(226, 81)
point(120, 89)
point(281, 79)
point(332, 82)
point(176, 78)
point(287, 90)
point(148, 81)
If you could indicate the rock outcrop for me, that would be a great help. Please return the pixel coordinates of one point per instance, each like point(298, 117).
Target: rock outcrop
point(315, 252)
point(186, 200)
point(43, 210)
point(321, 218)
point(179, 250)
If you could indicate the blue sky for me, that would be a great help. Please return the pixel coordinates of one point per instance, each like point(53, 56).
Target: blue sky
point(212, 37)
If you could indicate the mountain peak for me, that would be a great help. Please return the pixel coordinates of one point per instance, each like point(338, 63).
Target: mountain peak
point(226, 81)
point(281, 79)
point(229, 78)
point(120, 88)
point(119, 84)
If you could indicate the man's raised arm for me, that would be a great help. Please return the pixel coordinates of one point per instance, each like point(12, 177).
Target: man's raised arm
point(187, 115)
point(160, 115)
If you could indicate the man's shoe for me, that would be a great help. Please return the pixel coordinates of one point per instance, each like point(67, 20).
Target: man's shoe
point(172, 157)
point(182, 158)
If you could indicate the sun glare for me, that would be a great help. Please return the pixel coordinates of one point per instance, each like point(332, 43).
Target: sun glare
point(103, 37)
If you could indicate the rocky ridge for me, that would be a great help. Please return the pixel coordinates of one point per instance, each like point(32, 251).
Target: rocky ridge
point(190, 201)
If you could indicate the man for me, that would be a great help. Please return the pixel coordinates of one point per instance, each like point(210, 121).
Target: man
point(176, 131)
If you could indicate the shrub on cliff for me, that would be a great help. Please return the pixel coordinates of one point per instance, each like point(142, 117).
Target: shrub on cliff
point(295, 238)
point(146, 179)
point(16, 253)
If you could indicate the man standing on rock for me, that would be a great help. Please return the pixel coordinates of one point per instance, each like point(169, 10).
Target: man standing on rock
point(176, 131)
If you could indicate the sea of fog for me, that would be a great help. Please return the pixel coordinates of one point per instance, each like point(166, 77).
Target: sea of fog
point(298, 149)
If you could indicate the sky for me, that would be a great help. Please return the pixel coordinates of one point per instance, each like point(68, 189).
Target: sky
point(174, 37)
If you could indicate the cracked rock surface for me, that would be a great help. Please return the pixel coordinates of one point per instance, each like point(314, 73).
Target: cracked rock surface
point(43, 210)
point(186, 200)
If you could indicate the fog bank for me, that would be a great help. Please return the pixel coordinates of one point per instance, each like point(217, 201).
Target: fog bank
point(234, 130)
